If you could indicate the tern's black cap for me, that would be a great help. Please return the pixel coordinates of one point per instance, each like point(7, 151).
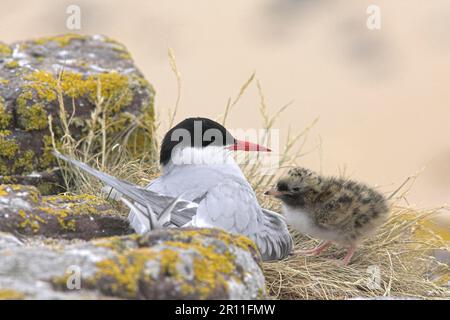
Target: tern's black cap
point(194, 132)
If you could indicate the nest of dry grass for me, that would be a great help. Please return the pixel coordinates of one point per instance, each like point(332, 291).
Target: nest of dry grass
point(398, 261)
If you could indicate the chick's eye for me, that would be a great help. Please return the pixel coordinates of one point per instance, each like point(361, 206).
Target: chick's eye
point(296, 189)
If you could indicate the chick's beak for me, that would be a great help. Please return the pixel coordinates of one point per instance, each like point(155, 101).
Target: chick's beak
point(273, 192)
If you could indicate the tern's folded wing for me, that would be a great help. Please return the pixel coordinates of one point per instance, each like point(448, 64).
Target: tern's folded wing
point(277, 235)
point(232, 206)
point(229, 206)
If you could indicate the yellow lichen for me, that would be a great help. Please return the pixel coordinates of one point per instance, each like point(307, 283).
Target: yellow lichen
point(116, 91)
point(44, 84)
point(212, 269)
point(24, 162)
point(10, 294)
point(168, 261)
point(3, 191)
point(123, 272)
point(47, 158)
point(117, 243)
point(125, 55)
point(122, 51)
point(227, 238)
point(12, 64)
point(62, 216)
point(23, 98)
point(113, 86)
point(77, 200)
point(65, 207)
point(8, 147)
point(60, 282)
point(32, 117)
point(5, 50)
point(73, 84)
point(30, 220)
point(5, 117)
point(4, 82)
point(4, 169)
point(7, 179)
point(62, 40)
point(32, 193)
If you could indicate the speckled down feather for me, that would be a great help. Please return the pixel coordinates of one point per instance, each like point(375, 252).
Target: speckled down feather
point(330, 208)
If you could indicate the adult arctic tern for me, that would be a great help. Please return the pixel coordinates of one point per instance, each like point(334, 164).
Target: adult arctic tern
point(201, 186)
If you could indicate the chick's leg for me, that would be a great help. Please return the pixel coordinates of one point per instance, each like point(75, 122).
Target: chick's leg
point(349, 255)
point(316, 251)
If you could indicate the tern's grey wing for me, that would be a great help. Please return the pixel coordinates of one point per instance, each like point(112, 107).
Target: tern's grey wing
point(281, 243)
point(232, 206)
point(192, 181)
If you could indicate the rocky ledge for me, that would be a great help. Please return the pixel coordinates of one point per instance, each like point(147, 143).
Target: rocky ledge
point(24, 211)
point(44, 254)
point(168, 264)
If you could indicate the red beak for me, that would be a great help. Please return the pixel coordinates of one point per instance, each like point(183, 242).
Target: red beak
point(247, 146)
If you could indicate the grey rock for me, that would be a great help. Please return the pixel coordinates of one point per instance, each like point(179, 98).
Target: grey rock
point(24, 211)
point(165, 264)
point(29, 75)
point(8, 241)
point(442, 256)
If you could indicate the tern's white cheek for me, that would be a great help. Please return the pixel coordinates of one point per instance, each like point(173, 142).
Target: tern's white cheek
point(210, 155)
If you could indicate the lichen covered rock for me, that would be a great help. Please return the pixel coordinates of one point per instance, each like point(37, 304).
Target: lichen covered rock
point(167, 264)
point(80, 73)
point(24, 211)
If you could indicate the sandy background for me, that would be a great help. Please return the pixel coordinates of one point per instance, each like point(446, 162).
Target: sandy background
point(383, 97)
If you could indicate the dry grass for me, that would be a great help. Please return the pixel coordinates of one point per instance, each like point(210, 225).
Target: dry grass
point(402, 256)
point(401, 253)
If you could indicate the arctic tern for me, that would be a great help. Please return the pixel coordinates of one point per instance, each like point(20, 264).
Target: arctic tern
point(201, 186)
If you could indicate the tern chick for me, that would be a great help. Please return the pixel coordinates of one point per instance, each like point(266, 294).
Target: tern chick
point(332, 209)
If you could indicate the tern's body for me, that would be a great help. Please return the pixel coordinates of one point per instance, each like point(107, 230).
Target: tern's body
point(223, 199)
point(201, 186)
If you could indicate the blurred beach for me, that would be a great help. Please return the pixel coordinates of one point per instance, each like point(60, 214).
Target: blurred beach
point(382, 96)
